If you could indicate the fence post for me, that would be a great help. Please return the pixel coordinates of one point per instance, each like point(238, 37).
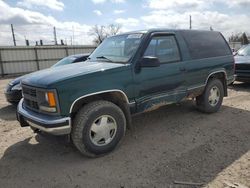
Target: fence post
point(37, 61)
point(66, 51)
point(1, 64)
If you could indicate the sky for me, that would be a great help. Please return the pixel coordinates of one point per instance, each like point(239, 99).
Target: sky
point(73, 19)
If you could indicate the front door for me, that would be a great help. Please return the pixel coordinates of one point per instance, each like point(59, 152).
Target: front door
point(157, 86)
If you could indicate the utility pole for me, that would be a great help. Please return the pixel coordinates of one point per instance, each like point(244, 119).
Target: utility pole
point(13, 34)
point(190, 22)
point(55, 36)
point(73, 35)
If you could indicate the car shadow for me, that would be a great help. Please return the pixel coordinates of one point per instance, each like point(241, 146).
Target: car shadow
point(8, 113)
point(240, 86)
point(175, 142)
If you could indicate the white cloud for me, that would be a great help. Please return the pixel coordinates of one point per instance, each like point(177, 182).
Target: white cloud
point(98, 1)
point(52, 4)
point(227, 24)
point(36, 26)
point(119, 11)
point(112, 1)
point(241, 3)
point(127, 22)
point(118, 1)
point(168, 4)
point(97, 12)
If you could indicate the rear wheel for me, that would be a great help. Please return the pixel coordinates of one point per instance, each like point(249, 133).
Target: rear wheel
point(35, 130)
point(211, 99)
point(98, 127)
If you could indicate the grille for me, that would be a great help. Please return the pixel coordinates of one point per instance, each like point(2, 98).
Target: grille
point(30, 97)
point(242, 67)
point(29, 91)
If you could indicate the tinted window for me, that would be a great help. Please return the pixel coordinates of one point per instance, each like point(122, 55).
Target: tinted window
point(205, 44)
point(164, 48)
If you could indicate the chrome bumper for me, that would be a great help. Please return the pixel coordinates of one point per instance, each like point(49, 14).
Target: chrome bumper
point(55, 125)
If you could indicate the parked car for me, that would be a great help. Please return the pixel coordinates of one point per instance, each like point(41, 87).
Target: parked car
point(242, 64)
point(129, 73)
point(13, 91)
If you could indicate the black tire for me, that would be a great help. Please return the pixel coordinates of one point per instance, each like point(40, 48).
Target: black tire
point(202, 101)
point(81, 129)
point(231, 84)
point(35, 130)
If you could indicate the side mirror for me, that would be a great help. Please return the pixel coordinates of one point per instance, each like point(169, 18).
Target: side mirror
point(149, 61)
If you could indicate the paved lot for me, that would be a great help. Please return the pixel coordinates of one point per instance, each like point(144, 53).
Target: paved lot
point(173, 143)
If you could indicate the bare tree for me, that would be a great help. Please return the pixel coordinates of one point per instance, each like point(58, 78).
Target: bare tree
point(101, 32)
point(113, 29)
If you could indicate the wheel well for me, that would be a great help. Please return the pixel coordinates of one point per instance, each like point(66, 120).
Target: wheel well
point(115, 97)
point(221, 76)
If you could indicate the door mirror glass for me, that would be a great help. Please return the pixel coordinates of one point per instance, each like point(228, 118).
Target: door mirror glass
point(149, 61)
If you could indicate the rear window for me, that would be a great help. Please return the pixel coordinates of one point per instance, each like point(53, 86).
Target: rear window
point(205, 44)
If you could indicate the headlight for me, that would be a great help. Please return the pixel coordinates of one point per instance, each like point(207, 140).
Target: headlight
point(50, 102)
point(17, 87)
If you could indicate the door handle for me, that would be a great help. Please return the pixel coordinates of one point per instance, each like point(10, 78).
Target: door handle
point(182, 69)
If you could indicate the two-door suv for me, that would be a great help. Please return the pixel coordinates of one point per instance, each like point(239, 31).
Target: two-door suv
point(127, 74)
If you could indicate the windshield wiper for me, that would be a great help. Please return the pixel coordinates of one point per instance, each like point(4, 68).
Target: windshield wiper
point(104, 57)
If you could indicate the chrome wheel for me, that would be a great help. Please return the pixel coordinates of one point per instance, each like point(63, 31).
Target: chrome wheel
point(103, 130)
point(214, 96)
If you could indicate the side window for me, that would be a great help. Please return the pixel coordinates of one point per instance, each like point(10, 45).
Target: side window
point(164, 48)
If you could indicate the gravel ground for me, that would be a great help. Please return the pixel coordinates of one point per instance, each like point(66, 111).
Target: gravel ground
point(173, 143)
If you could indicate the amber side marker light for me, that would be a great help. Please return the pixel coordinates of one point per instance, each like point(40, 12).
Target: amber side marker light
point(51, 99)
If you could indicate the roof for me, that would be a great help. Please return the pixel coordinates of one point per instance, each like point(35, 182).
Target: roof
point(165, 30)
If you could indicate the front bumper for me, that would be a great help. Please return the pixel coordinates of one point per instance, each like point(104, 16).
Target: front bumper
point(242, 76)
point(55, 125)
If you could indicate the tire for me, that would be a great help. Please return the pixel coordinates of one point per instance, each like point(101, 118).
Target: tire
point(86, 133)
point(35, 130)
point(231, 84)
point(209, 101)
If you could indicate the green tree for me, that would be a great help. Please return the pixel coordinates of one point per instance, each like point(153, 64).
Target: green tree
point(244, 39)
point(239, 37)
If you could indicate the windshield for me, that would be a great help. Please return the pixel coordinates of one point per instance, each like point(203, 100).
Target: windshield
point(118, 49)
point(65, 61)
point(244, 51)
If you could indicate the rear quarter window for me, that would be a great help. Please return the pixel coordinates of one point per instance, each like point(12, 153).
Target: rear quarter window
point(205, 44)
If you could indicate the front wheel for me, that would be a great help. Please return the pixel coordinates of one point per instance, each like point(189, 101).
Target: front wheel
point(211, 99)
point(98, 127)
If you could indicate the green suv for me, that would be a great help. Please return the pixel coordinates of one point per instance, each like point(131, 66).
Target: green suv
point(128, 73)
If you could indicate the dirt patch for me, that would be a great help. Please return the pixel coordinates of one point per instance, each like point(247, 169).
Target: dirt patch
point(173, 143)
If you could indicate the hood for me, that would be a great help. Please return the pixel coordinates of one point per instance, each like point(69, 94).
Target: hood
point(242, 59)
point(18, 80)
point(47, 77)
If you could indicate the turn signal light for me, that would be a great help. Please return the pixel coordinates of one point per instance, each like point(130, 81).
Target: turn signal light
point(51, 99)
